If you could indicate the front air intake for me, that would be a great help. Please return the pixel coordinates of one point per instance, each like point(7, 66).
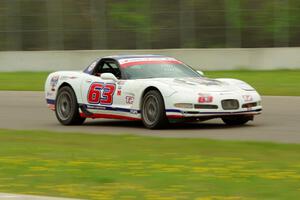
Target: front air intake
point(230, 104)
point(249, 105)
point(205, 106)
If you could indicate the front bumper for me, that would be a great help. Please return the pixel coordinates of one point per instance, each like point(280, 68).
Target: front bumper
point(246, 106)
point(177, 114)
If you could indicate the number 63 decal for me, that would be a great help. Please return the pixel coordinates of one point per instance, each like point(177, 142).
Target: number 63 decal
point(101, 93)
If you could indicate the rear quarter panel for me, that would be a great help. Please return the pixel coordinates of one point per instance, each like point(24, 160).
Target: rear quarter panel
point(56, 79)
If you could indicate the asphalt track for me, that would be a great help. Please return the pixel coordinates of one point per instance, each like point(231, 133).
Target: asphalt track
point(280, 121)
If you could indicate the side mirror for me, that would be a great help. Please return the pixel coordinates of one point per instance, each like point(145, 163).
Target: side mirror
point(200, 72)
point(108, 76)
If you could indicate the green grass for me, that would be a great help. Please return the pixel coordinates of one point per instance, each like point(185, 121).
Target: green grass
point(134, 167)
point(278, 82)
point(23, 81)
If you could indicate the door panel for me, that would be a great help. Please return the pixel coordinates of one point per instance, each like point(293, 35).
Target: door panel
point(107, 97)
point(99, 93)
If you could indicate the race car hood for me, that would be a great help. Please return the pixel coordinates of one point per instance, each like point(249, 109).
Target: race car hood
point(198, 84)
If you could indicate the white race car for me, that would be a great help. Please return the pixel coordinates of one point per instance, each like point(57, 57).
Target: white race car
point(153, 88)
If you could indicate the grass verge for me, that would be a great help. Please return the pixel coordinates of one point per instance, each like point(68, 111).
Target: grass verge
point(23, 81)
point(134, 167)
point(277, 82)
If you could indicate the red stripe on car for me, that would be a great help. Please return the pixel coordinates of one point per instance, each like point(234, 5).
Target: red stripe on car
point(174, 116)
point(129, 64)
point(109, 116)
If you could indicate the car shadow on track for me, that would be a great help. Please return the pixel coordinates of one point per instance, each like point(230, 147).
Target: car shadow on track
point(176, 126)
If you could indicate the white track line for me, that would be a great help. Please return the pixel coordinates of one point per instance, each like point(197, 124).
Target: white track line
point(6, 196)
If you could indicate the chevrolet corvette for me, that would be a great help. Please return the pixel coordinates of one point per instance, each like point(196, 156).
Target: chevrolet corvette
point(152, 88)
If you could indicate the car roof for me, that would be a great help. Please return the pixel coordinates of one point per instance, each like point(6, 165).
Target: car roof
point(89, 69)
point(119, 57)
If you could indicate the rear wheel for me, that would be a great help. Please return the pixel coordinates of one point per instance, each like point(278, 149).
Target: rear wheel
point(236, 120)
point(153, 110)
point(66, 107)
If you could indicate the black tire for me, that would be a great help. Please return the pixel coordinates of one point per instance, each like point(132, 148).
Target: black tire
point(66, 107)
point(237, 120)
point(153, 110)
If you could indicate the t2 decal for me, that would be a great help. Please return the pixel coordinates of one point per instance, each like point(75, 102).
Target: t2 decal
point(129, 99)
point(101, 93)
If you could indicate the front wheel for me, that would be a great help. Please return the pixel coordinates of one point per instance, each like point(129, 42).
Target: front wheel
point(153, 110)
point(236, 120)
point(66, 107)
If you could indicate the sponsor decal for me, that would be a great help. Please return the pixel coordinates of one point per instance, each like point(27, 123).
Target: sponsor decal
point(205, 98)
point(134, 111)
point(247, 98)
point(129, 99)
point(96, 107)
point(119, 92)
point(53, 82)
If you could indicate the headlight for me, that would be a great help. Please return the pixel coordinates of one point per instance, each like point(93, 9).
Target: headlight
point(259, 103)
point(183, 105)
point(245, 86)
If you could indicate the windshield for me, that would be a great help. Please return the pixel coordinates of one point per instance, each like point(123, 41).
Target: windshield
point(158, 70)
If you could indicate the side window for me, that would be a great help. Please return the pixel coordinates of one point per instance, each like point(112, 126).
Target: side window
point(105, 67)
point(109, 67)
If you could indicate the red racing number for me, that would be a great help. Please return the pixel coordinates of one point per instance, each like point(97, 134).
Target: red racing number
point(101, 93)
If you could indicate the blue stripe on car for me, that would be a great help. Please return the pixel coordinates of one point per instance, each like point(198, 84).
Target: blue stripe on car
point(135, 111)
point(50, 101)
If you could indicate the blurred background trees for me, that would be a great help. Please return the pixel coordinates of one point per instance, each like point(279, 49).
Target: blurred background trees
point(145, 24)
